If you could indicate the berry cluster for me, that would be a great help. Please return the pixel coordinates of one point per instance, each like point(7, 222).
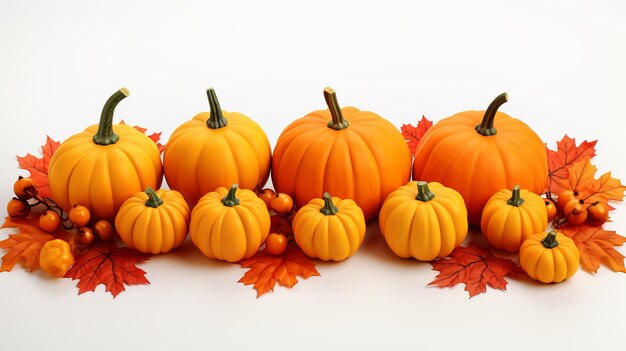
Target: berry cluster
point(571, 208)
point(282, 205)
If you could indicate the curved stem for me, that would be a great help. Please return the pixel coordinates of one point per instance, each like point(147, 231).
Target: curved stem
point(516, 199)
point(217, 119)
point(549, 242)
point(230, 199)
point(486, 128)
point(105, 134)
point(338, 122)
point(154, 200)
point(423, 192)
point(329, 208)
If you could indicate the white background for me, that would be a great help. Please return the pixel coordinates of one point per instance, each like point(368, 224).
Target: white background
point(562, 63)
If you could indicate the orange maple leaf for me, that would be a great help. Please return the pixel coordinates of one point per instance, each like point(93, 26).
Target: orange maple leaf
point(476, 267)
point(597, 246)
point(413, 135)
point(565, 156)
point(154, 136)
point(582, 179)
point(266, 269)
point(109, 265)
point(38, 166)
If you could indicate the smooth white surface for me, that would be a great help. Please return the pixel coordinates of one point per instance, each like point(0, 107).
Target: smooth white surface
point(562, 63)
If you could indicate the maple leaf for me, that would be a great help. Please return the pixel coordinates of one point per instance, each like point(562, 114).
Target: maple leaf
point(26, 244)
point(597, 246)
point(266, 269)
point(38, 166)
point(413, 135)
point(154, 136)
point(476, 267)
point(109, 265)
point(565, 156)
point(582, 179)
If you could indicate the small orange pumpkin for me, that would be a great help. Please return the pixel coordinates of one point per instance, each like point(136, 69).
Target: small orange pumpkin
point(350, 153)
point(216, 149)
point(549, 258)
point(467, 153)
point(104, 165)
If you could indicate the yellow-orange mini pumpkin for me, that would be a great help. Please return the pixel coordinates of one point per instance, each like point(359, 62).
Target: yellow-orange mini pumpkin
point(423, 220)
point(549, 258)
point(329, 228)
point(467, 153)
point(229, 224)
point(153, 221)
point(509, 217)
point(350, 153)
point(216, 149)
point(104, 165)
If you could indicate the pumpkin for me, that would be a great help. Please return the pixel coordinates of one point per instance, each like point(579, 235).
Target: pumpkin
point(467, 153)
point(216, 149)
point(350, 153)
point(423, 220)
point(549, 258)
point(104, 165)
point(153, 221)
point(329, 228)
point(509, 217)
point(230, 224)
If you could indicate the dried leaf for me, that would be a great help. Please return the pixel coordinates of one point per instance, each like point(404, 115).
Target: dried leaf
point(266, 269)
point(597, 246)
point(582, 179)
point(109, 265)
point(413, 135)
point(565, 156)
point(476, 267)
point(154, 136)
point(38, 167)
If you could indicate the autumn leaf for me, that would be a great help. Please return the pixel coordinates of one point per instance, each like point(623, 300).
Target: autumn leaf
point(26, 244)
point(476, 267)
point(266, 269)
point(581, 178)
point(413, 135)
point(109, 265)
point(38, 166)
point(154, 136)
point(566, 154)
point(597, 246)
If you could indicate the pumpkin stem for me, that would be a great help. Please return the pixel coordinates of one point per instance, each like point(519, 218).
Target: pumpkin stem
point(216, 119)
point(549, 242)
point(338, 123)
point(423, 192)
point(329, 208)
point(486, 128)
point(154, 200)
point(105, 134)
point(230, 199)
point(516, 199)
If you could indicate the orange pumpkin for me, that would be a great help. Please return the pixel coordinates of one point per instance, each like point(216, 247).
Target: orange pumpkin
point(467, 153)
point(347, 152)
point(216, 149)
point(104, 165)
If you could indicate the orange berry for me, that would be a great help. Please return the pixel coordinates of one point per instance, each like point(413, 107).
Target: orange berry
point(49, 221)
point(282, 203)
point(276, 243)
point(79, 215)
point(18, 208)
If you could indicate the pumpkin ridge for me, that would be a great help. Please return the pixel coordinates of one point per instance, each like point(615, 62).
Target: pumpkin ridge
point(291, 145)
point(139, 173)
point(68, 179)
point(248, 221)
point(320, 145)
point(167, 229)
point(140, 228)
point(207, 246)
point(510, 144)
point(355, 132)
point(106, 190)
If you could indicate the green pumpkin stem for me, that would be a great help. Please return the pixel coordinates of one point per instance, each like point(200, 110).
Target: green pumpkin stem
point(338, 122)
point(230, 199)
point(486, 128)
point(549, 242)
point(423, 192)
point(217, 119)
point(154, 200)
point(329, 208)
point(105, 134)
point(516, 199)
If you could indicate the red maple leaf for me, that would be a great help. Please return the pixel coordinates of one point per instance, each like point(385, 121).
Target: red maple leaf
point(266, 269)
point(581, 178)
point(476, 267)
point(413, 135)
point(109, 265)
point(38, 166)
point(566, 154)
point(154, 136)
point(597, 246)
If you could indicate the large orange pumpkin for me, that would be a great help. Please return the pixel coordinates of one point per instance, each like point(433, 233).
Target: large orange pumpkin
point(347, 152)
point(477, 153)
point(104, 165)
point(216, 149)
